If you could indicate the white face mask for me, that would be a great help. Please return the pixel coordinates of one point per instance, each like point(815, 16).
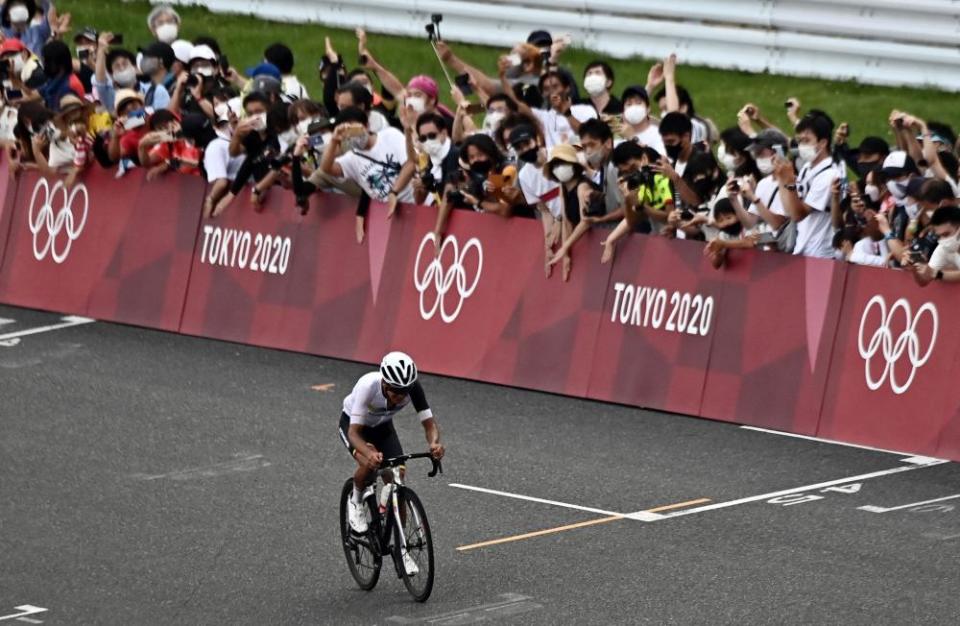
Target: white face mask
point(303, 126)
point(950, 244)
point(635, 114)
point(873, 192)
point(19, 14)
point(595, 84)
point(765, 165)
point(807, 152)
point(222, 111)
point(418, 104)
point(18, 63)
point(127, 77)
point(167, 33)
point(327, 136)
point(434, 147)
point(563, 173)
point(515, 59)
point(205, 71)
point(491, 120)
point(897, 190)
point(728, 161)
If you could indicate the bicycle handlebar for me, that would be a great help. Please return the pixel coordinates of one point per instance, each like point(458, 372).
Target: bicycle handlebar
point(400, 460)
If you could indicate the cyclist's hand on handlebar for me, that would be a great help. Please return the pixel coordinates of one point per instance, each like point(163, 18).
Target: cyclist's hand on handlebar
point(372, 459)
point(437, 450)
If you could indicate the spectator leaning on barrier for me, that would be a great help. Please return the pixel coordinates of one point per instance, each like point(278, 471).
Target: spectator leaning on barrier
point(945, 262)
point(539, 192)
point(221, 167)
point(165, 149)
point(806, 196)
point(437, 158)
point(164, 23)
point(564, 167)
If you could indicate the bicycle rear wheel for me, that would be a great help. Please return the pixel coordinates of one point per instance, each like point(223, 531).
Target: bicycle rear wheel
point(416, 538)
point(363, 558)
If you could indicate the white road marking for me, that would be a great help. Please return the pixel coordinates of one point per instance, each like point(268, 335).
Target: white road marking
point(29, 620)
point(507, 494)
point(4, 321)
point(511, 604)
point(879, 509)
point(68, 321)
point(839, 443)
point(25, 609)
point(774, 494)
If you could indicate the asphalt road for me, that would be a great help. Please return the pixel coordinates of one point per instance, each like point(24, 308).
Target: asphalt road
point(148, 478)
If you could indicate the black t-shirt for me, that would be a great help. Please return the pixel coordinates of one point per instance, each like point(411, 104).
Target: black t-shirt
point(614, 106)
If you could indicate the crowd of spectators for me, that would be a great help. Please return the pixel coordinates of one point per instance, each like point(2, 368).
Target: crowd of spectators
point(534, 141)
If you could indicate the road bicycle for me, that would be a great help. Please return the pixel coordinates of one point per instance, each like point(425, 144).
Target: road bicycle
point(397, 525)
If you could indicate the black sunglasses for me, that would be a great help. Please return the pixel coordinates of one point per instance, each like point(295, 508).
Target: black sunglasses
point(428, 136)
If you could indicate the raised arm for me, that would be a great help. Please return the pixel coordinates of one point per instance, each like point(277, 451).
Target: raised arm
point(387, 78)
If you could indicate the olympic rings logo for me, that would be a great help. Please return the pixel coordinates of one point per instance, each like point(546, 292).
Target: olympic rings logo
point(443, 280)
point(890, 350)
point(47, 224)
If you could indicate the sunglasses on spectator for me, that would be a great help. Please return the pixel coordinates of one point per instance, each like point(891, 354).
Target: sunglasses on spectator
point(428, 136)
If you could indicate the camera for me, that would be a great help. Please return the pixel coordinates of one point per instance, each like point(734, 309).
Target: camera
point(686, 215)
point(192, 81)
point(643, 177)
point(315, 133)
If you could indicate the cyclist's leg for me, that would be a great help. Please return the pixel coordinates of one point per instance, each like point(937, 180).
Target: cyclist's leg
point(363, 476)
point(385, 438)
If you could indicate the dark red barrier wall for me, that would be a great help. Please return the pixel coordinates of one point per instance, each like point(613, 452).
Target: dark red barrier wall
point(801, 345)
point(895, 365)
point(115, 250)
point(8, 190)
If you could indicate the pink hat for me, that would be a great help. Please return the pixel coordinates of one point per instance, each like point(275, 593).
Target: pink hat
point(425, 84)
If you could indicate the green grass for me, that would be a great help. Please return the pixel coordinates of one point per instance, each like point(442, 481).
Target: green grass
point(718, 94)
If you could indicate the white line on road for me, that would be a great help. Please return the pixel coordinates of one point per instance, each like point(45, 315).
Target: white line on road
point(840, 443)
point(25, 609)
point(68, 321)
point(507, 494)
point(774, 494)
point(880, 509)
point(4, 321)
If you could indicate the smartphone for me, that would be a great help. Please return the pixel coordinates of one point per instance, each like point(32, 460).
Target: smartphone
point(916, 257)
point(117, 39)
point(83, 55)
point(766, 239)
point(463, 84)
point(778, 149)
point(224, 63)
point(475, 108)
point(431, 32)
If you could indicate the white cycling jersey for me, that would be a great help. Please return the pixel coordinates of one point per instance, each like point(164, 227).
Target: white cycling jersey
point(366, 405)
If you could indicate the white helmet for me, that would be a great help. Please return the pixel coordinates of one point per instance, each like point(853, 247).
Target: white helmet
point(398, 370)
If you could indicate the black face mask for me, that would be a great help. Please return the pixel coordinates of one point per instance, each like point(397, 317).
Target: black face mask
point(733, 229)
point(481, 167)
point(529, 156)
point(674, 151)
point(865, 168)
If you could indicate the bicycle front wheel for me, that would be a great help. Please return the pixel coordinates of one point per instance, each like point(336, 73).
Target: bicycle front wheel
point(363, 558)
point(416, 539)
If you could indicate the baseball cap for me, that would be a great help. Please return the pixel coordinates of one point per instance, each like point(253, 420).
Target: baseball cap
point(12, 45)
point(87, 34)
point(897, 164)
point(264, 69)
point(266, 85)
point(162, 51)
point(182, 49)
point(768, 138)
point(203, 52)
point(522, 134)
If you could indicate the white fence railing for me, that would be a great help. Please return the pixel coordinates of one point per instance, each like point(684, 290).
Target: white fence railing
point(886, 42)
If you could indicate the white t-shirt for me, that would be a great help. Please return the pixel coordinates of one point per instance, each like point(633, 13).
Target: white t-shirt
point(217, 160)
point(768, 192)
point(815, 231)
point(377, 169)
point(870, 252)
point(944, 259)
point(536, 188)
point(556, 128)
point(293, 89)
point(650, 136)
point(366, 404)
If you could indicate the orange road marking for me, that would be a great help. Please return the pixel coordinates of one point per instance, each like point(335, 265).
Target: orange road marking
point(560, 529)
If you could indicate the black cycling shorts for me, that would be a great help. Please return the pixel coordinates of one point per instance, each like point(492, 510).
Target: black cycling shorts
point(383, 437)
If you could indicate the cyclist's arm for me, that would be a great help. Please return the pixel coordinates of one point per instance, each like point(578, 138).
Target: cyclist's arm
point(365, 453)
point(430, 429)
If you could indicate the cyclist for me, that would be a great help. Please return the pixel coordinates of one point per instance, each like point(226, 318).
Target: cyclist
point(366, 427)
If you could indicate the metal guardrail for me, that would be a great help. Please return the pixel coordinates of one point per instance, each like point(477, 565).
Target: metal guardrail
point(886, 42)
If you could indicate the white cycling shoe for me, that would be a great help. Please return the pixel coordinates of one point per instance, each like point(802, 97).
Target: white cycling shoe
point(409, 565)
point(357, 517)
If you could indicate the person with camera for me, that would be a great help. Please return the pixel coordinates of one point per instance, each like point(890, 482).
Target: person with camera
point(257, 137)
point(192, 87)
point(437, 158)
point(485, 183)
point(647, 195)
point(166, 149)
point(944, 264)
point(14, 56)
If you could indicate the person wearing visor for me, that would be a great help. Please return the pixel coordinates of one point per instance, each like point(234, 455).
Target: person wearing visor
point(366, 426)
